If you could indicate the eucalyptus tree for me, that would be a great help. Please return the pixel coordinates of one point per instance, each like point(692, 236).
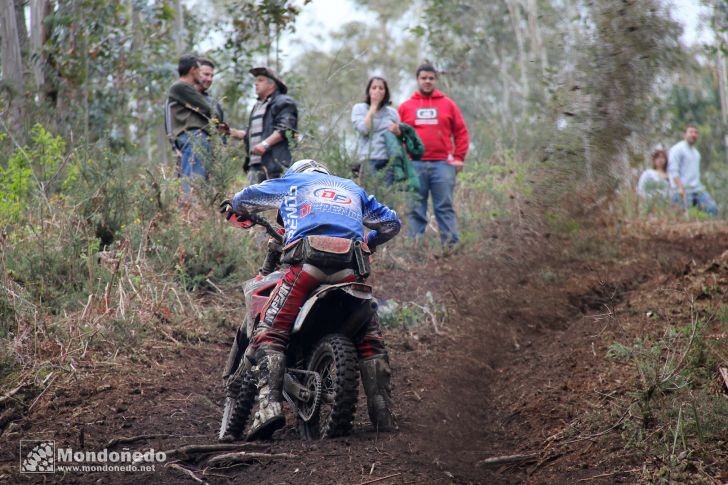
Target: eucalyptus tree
point(11, 61)
point(562, 73)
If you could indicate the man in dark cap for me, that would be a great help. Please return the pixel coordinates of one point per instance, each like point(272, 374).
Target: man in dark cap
point(272, 126)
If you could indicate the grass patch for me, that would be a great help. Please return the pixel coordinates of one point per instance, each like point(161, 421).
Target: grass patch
point(676, 414)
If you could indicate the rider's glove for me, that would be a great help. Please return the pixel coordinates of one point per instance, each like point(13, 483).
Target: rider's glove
point(237, 220)
point(372, 247)
point(226, 206)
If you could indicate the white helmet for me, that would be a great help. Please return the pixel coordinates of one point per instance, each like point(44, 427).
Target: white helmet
point(307, 165)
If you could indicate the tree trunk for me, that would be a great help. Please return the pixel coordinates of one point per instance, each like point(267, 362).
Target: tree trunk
point(20, 24)
point(515, 15)
point(39, 9)
point(179, 28)
point(137, 35)
point(720, 28)
point(163, 146)
point(535, 34)
point(723, 90)
point(589, 164)
point(12, 62)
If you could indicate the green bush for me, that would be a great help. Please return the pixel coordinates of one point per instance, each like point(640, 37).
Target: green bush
point(99, 227)
point(31, 175)
point(49, 262)
point(393, 314)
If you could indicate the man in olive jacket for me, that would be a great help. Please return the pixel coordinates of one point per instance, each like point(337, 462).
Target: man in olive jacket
point(187, 120)
point(272, 126)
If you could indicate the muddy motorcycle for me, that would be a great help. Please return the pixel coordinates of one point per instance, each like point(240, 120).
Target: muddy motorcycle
point(321, 382)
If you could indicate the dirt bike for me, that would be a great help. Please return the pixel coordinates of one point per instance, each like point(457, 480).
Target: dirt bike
point(321, 382)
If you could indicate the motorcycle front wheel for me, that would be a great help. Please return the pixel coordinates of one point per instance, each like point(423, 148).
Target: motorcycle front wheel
point(334, 358)
point(237, 410)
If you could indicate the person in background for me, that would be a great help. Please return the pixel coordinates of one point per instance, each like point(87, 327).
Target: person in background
point(654, 182)
point(271, 129)
point(440, 126)
point(187, 120)
point(371, 120)
point(684, 174)
point(653, 186)
point(207, 74)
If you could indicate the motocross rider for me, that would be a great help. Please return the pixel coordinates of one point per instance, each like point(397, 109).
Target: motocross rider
point(314, 203)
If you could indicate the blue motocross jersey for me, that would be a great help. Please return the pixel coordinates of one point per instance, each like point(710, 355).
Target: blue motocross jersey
point(319, 204)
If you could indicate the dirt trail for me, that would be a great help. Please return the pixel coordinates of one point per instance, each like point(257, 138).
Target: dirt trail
point(516, 362)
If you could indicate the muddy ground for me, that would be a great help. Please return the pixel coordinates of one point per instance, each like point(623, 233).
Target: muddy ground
point(520, 357)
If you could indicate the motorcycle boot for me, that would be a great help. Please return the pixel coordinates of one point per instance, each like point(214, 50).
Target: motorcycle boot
point(269, 417)
point(375, 376)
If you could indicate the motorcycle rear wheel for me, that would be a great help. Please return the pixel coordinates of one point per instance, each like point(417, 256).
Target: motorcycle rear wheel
point(334, 358)
point(237, 410)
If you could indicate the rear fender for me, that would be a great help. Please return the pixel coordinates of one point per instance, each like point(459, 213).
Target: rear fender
point(354, 307)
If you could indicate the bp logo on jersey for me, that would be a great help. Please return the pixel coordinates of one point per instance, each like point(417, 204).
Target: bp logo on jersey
point(332, 195)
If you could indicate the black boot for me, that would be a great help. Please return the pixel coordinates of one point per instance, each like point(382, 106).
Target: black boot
point(375, 376)
point(269, 417)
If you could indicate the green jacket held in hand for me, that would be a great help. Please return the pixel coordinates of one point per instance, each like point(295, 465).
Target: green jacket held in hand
point(398, 149)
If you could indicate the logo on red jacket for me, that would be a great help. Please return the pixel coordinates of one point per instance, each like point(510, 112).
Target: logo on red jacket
point(426, 116)
point(332, 195)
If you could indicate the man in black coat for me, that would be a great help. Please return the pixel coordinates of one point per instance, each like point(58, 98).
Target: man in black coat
point(272, 126)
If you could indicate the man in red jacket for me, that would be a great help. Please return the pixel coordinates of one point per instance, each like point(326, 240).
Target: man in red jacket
point(440, 125)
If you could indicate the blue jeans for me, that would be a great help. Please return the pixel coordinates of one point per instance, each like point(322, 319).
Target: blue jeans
point(196, 153)
point(436, 178)
point(380, 169)
point(701, 199)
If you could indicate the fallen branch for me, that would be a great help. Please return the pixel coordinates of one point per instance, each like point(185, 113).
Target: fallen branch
point(169, 336)
point(134, 439)
point(214, 286)
point(602, 433)
point(186, 452)
point(380, 479)
point(245, 456)
point(201, 449)
point(186, 471)
point(433, 318)
point(724, 374)
point(604, 475)
point(501, 460)
point(44, 390)
point(11, 393)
